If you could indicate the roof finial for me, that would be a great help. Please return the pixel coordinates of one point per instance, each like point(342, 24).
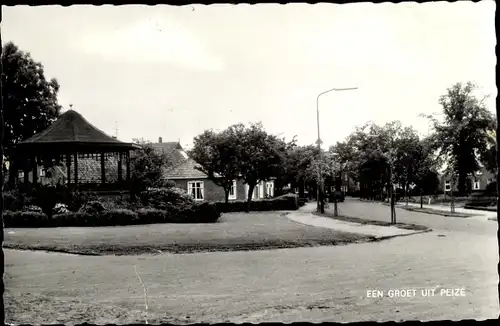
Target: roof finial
point(116, 129)
point(71, 106)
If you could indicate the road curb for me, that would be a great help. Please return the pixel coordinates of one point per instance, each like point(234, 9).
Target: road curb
point(375, 237)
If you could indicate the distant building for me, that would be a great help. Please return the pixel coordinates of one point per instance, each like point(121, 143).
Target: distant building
point(475, 183)
point(198, 184)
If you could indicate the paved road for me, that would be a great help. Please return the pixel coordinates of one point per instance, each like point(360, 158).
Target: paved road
point(305, 284)
point(478, 225)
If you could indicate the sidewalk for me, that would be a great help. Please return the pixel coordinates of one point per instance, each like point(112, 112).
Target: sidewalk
point(446, 208)
point(304, 216)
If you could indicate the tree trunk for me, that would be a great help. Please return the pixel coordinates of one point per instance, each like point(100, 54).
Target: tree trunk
point(452, 206)
point(12, 174)
point(301, 189)
point(226, 195)
point(249, 197)
point(421, 199)
point(462, 179)
point(407, 196)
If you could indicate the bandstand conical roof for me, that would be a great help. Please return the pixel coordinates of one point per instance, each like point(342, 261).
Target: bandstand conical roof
point(72, 131)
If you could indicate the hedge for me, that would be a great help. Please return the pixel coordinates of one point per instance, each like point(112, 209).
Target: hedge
point(285, 202)
point(198, 213)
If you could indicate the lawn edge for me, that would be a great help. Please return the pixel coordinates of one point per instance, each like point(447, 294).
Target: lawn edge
point(345, 218)
point(432, 211)
point(191, 250)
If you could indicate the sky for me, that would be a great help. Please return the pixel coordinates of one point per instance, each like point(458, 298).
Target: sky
point(175, 71)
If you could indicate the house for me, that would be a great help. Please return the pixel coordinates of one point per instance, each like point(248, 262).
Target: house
point(476, 183)
point(187, 177)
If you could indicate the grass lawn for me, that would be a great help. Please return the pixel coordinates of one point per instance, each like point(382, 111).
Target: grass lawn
point(405, 226)
point(433, 211)
point(436, 212)
point(234, 231)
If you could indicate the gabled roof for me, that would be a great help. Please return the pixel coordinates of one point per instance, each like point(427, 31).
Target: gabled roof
point(71, 128)
point(185, 170)
point(168, 146)
point(183, 167)
point(173, 150)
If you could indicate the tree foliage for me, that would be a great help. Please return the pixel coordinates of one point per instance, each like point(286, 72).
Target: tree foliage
point(373, 153)
point(147, 166)
point(463, 135)
point(29, 99)
point(259, 154)
point(217, 156)
point(241, 152)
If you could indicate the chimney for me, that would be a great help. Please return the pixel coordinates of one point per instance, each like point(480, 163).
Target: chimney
point(160, 140)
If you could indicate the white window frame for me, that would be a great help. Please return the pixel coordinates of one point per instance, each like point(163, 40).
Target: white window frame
point(193, 185)
point(447, 186)
point(20, 174)
point(476, 185)
point(234, 190)
point(256, 192)
point(270, 188)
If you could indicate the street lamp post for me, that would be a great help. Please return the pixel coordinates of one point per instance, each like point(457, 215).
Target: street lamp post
point(320, 193)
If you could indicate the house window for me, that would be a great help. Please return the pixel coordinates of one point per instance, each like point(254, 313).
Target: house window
point(42, 173)
point(232, 190)
point(476, 185)
point(256, 192)
point(270, 189)
point(447, 186)
point(195, 188)
point(21, 174)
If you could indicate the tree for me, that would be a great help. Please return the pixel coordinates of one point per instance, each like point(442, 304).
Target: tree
point(259, 154)
point(463, 135)
point(300, 158)
point(30, 101)
point(147, 167)
point(217, 154)
point(284, 172)
point(426, 175)
point(488, 158)
point(408, 156)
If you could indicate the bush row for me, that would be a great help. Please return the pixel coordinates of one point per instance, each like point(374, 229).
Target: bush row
point(198, 213)
point(285, 202)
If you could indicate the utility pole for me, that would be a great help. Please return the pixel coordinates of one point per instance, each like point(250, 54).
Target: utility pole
point(321, 191)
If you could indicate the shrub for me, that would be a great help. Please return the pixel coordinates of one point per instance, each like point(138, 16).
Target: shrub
point(118, 217)
point(168, 184)
point(152, 216)
point(284, 202)
point(302, 201)
point(76, 199)
point(92, 207)
point(33, 208)
point(72, 219)
point(491, 189)
point(166, 198)
point(60, 208)
point(15, 200)
point(22, 219)
point(204, 213)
